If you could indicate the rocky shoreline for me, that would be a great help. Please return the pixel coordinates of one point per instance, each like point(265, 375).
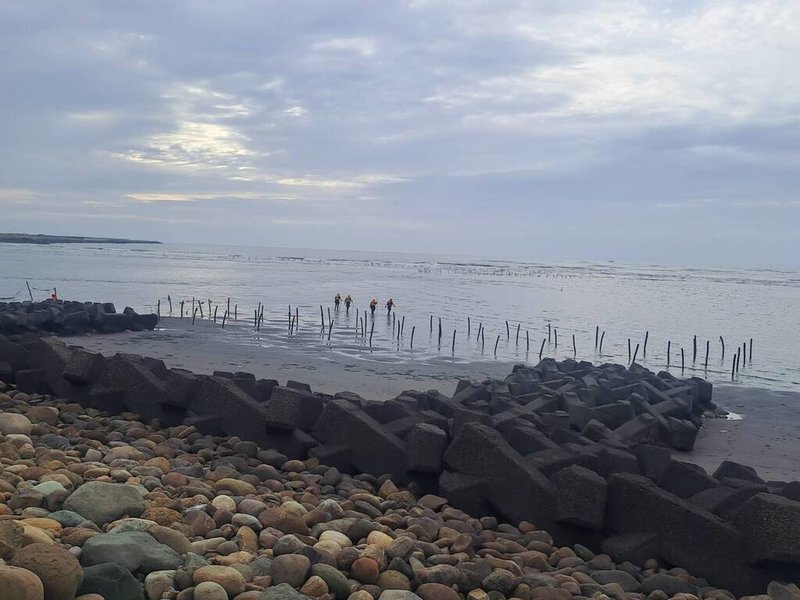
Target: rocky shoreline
point(580, 451)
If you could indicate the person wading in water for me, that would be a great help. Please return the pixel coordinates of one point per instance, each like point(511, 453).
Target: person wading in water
point(389, 306)
point(373, 303)
point(336, 300)
point(347, 302)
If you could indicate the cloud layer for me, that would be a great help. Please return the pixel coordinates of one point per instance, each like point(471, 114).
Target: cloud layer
point(664, 131)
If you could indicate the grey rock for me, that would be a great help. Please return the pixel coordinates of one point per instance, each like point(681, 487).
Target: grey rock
point(103, 502)
point(111, 581)
point(132, 550)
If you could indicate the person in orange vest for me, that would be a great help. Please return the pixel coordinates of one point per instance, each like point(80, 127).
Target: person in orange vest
point(347, 302)
point(336, 300)
point(373, 303)
point(389, 306)
point(54, 296)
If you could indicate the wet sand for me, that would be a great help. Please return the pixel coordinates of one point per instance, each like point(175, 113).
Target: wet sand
point(767, 437)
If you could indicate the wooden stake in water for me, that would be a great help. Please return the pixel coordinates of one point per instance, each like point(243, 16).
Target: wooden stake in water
point(330, 329)
point(215, 314)
point(635, 352)
point(517, 341)
point(738, 358)
point(629, 349)
point(402, 324)
point(644, 348)
point(469, 327)
point(255, 319)
point(30, 293)
point(480, 328)
point(682, 362)
point(708, 348)
point(555, 336)
point(329, 314)
point(296, 316)
point(721, 341)
point(541, 349)
point(574, 348)
point(200, 306)
point(548, 333)
point(602, 337)
point(751, 350)
point(496, 342)
point(431, 323)
point(669, 345)
point(733, 367)
point(181, 309)
point(596, 335)
point(694, 349)
point(508, 332)
point(413, 329)
point(169, 299)
point(235, 312)
point(454, 341)
point(744, 354)
point(229, 305)
point(322, 316)
point(194, 314)
point(158, 308)
point(224, 318)
point(527, 342)
point(483, 341)
point(440, 331)
point(371, 331)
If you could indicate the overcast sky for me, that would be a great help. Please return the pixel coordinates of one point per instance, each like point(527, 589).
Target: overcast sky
point(662, 131)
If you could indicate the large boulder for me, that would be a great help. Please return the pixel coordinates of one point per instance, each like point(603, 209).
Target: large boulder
point(20, 584)
point(136, 551)
point(111, 581)
point(290, 409)
point(103, 502)
point(59, 571)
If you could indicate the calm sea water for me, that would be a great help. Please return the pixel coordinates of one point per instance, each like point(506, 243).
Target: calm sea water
point(625, 301)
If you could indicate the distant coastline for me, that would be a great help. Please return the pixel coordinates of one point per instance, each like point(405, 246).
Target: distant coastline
point(39, 238)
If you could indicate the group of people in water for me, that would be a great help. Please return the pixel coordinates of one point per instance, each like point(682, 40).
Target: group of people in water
point(337, 300)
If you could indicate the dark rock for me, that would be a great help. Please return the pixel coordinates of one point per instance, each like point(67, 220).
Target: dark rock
point(111, 581)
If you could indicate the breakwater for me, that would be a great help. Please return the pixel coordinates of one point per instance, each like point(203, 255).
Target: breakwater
point(578, 449)
point(70, 318)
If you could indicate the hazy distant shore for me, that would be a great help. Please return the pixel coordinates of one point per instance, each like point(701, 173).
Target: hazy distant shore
point(39, 238)
point(766, 438)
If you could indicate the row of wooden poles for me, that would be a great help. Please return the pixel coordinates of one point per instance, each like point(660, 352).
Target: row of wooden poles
point(739, 359)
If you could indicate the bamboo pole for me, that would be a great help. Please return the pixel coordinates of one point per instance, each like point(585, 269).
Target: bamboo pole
point(169, 299)
point(413, 329)
point(602, 337)
point(30, 293)
point(574, 348)
point(224, 318)
point(541, 349)
point(517, 340)
point(596, 335)
point(497, 341)
point(454, 341)
point(644, 349)
point(635, 352)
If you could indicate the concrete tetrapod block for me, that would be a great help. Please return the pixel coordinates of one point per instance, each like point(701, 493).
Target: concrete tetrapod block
point(426, 445)
point(83, 368)
point(516, 489)
point(692, 538)
point(373, 449)
point(580, 497)
point(771, 525)
point(144, 392)
point(239, 414)
point(290, 408)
